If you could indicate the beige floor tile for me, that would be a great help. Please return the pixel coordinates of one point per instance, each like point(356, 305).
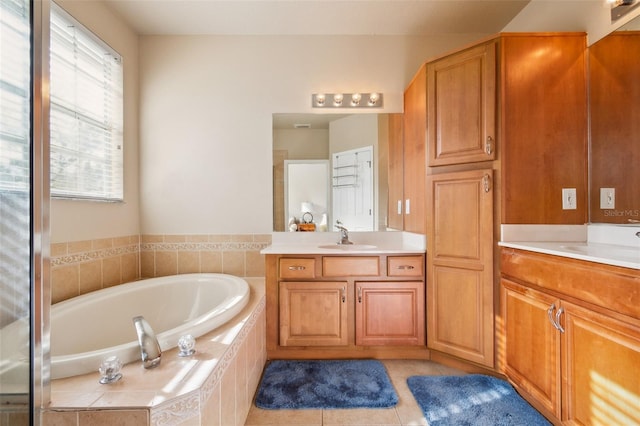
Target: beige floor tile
point(360, 416)
point(258, 417)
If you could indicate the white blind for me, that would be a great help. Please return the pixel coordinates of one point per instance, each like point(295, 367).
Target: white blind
point(15, 95)
point(86, 113)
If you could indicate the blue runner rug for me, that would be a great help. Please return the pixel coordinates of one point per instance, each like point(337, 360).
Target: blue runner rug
point(325, 385)
point(474, 399)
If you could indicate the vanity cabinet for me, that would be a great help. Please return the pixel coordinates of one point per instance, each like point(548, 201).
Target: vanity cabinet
point(321, 306)
point(461, 106)
point(572, 336)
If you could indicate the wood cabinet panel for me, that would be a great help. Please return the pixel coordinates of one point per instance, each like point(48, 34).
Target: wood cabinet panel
point(390, 313)
point(532, 344)
point(460, 265)
point(313, 313)
point(350, 266)
point(405, 266)
point(544, 127)
point(395, 172)
point(602, 380)
point(415, 160)
point(461, 106)
point(297, 268)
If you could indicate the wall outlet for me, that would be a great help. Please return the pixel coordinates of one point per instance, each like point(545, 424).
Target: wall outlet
point(607, 198)
point(569, 201)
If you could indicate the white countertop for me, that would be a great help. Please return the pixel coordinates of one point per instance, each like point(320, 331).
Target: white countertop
point(607, 244)
point(374, 243)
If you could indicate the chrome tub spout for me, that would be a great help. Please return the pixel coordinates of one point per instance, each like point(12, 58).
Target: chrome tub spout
point(149, 346)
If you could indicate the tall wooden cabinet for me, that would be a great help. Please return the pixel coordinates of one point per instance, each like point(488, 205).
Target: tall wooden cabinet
point(460, 265)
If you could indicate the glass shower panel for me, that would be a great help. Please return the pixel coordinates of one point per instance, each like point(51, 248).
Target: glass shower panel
point(15, 206)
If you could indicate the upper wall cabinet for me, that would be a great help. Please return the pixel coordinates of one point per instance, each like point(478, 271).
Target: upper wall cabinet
point(461, 106)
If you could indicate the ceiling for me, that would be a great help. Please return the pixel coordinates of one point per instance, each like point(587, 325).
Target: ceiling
point(316, 17)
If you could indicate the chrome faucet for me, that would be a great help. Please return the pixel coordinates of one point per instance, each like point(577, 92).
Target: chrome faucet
point(149, 346)
point(344, 233)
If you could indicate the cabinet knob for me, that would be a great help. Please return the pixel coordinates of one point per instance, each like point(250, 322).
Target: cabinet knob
point(488, 147)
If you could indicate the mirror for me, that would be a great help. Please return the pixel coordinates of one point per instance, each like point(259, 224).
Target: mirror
point(299, 138)
point(614, 97)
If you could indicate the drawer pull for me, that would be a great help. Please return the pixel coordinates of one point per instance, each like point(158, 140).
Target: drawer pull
point(405, 267)
point(359, 294)
point(297, 268)
point(344, 294)
point(550, 315)
point(558, 326)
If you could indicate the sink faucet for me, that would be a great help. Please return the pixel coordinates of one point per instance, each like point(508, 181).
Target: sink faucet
point(344, 233)
point(149, 346)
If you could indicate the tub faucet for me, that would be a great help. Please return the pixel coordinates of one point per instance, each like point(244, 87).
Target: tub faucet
point(344, 233)
point(149, 346)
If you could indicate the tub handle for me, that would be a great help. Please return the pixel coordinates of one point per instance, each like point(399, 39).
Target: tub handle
point(297, 268)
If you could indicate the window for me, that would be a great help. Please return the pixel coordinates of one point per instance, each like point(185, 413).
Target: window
point(86, 113)
point(15, 96)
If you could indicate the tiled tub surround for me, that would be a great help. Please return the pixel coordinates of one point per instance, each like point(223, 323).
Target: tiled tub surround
point(84, 266)
point(213, 387)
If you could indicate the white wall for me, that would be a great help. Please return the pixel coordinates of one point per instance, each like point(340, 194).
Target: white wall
point(206, 106)
point(85, 220)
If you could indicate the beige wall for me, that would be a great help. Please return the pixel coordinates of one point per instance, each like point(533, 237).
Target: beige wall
point(206, 107)
point(83, 220)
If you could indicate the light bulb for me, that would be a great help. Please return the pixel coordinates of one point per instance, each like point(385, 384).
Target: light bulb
point(337, 99)
point(320, 99)
point(373, 98)
point(355, 99)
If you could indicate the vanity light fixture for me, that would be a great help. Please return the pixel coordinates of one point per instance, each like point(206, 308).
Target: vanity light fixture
point(347, 100)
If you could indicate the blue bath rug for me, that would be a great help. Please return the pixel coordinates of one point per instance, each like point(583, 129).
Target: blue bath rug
point(474, 399)
point(325, 385)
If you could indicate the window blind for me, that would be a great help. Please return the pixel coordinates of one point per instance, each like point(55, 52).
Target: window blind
point(85, 113)
point(15, 95)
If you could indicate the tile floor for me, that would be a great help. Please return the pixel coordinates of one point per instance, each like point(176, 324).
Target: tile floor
point(407, 412)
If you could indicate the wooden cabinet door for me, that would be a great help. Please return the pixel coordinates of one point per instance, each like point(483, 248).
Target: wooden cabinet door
point(532, 352)
point(395, 173)
point(415, 139)
point(460, 265)
point(461, 106)
point(390, 313)
point(601, 369)
point(313, 313)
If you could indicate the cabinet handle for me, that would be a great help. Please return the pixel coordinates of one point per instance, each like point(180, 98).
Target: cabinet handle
point(344, 294)
point(558, 326)
point(359, 294)
point(403, 267)
point(486, 183)
point(550, 315)
point(488, 147)
point(297, 268)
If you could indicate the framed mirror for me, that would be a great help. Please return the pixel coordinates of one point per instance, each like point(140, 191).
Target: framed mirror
point(316, 137)
point(614, 98)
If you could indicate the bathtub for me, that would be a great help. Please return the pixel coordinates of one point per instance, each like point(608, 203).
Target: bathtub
point(89, 328)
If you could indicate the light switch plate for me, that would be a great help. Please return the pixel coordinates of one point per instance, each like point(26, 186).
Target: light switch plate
point(569, 201)
point(607, 198)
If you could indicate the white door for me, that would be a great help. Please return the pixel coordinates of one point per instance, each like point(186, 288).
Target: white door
point(352, 182)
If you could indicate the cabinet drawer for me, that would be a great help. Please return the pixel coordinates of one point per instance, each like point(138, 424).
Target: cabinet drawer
point(350, 266)
point(405, 266)
point(297, 268)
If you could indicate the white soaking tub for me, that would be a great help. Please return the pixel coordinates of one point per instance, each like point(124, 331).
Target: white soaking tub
point(89, 328)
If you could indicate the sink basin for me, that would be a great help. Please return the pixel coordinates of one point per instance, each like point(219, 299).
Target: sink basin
point(348, 247)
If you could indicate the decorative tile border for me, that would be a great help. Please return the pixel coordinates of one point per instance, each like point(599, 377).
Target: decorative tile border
point(204, 246)
point(87, 256)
